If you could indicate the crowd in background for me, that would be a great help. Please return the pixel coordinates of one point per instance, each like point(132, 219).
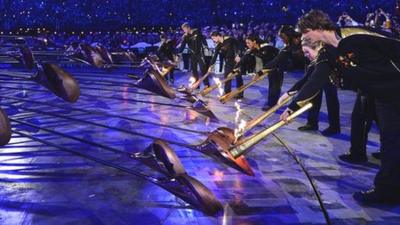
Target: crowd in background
point(54, 19)
point(87, 15)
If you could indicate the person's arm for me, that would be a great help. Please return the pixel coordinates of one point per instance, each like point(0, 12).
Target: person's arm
point(204, 40)
point(281, 58)
point(182, 45)
point(161, 51)
point(310, 89)
point(215, 55)
point(300, 83)
point(317, 80)
point(236, 47)
point(244, 59)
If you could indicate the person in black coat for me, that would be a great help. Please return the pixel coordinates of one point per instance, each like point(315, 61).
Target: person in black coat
point(166, 52)
point(256, 55)
point(310, 51)
point(229, 48)
point(290, 57)
point(195, 41)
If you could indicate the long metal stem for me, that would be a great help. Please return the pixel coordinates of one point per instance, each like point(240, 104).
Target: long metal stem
point(225, 98)
point(244, 146)
point(254, 122)
point(230, 76)
point(198, 82)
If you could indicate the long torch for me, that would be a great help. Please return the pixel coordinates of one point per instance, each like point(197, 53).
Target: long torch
point(225, 98)
point(244, 146)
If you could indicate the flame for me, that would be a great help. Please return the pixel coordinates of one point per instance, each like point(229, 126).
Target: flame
point(241, 124)
point(164, 70)
point(192, 80)
point(238, 111)
point(219, 84)
point(240, 129)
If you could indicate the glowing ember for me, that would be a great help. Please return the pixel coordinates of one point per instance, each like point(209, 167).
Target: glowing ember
point(218, 175)
point(192, 80)
point(219, 84)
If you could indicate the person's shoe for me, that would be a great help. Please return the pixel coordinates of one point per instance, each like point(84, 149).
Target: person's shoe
point(308, 127)
point(349, 158)
point(181, 88)
point(330, 131)
point(372, 196)
point(377, 155)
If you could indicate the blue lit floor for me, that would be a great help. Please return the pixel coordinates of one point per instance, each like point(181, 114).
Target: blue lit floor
point(40, 184)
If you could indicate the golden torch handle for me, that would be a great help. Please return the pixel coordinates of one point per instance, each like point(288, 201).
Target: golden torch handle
point(168, 69)
point(254, 122)
point(230, 76)
point(225, 98)
point(198, 82)
point(242, 147)
point(154, 65)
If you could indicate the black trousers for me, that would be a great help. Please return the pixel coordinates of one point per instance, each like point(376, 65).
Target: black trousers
point(388, 177)
point(198, 61)
point(221, 62)
point(332, 103)
point(207, 60)
point(229, 66)
point(247, 64)
point(361, 121)
point(186, 60)
point(275, 80)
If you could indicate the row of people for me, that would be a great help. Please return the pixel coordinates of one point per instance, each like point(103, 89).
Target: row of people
point(352, 58)
point(258, 56)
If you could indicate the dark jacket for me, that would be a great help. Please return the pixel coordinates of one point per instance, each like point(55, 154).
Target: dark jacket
point(228, 49)
point(195, 42)
point(300, 83)
point(166, 50)
point(367, 61)
point(289, 54)
point(265, 53)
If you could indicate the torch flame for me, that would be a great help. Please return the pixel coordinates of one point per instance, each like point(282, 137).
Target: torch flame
point(241, 124)
point(219, 84)
point(164, 70)
point(240, 129)
point(192, 80)
point(238, 111)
